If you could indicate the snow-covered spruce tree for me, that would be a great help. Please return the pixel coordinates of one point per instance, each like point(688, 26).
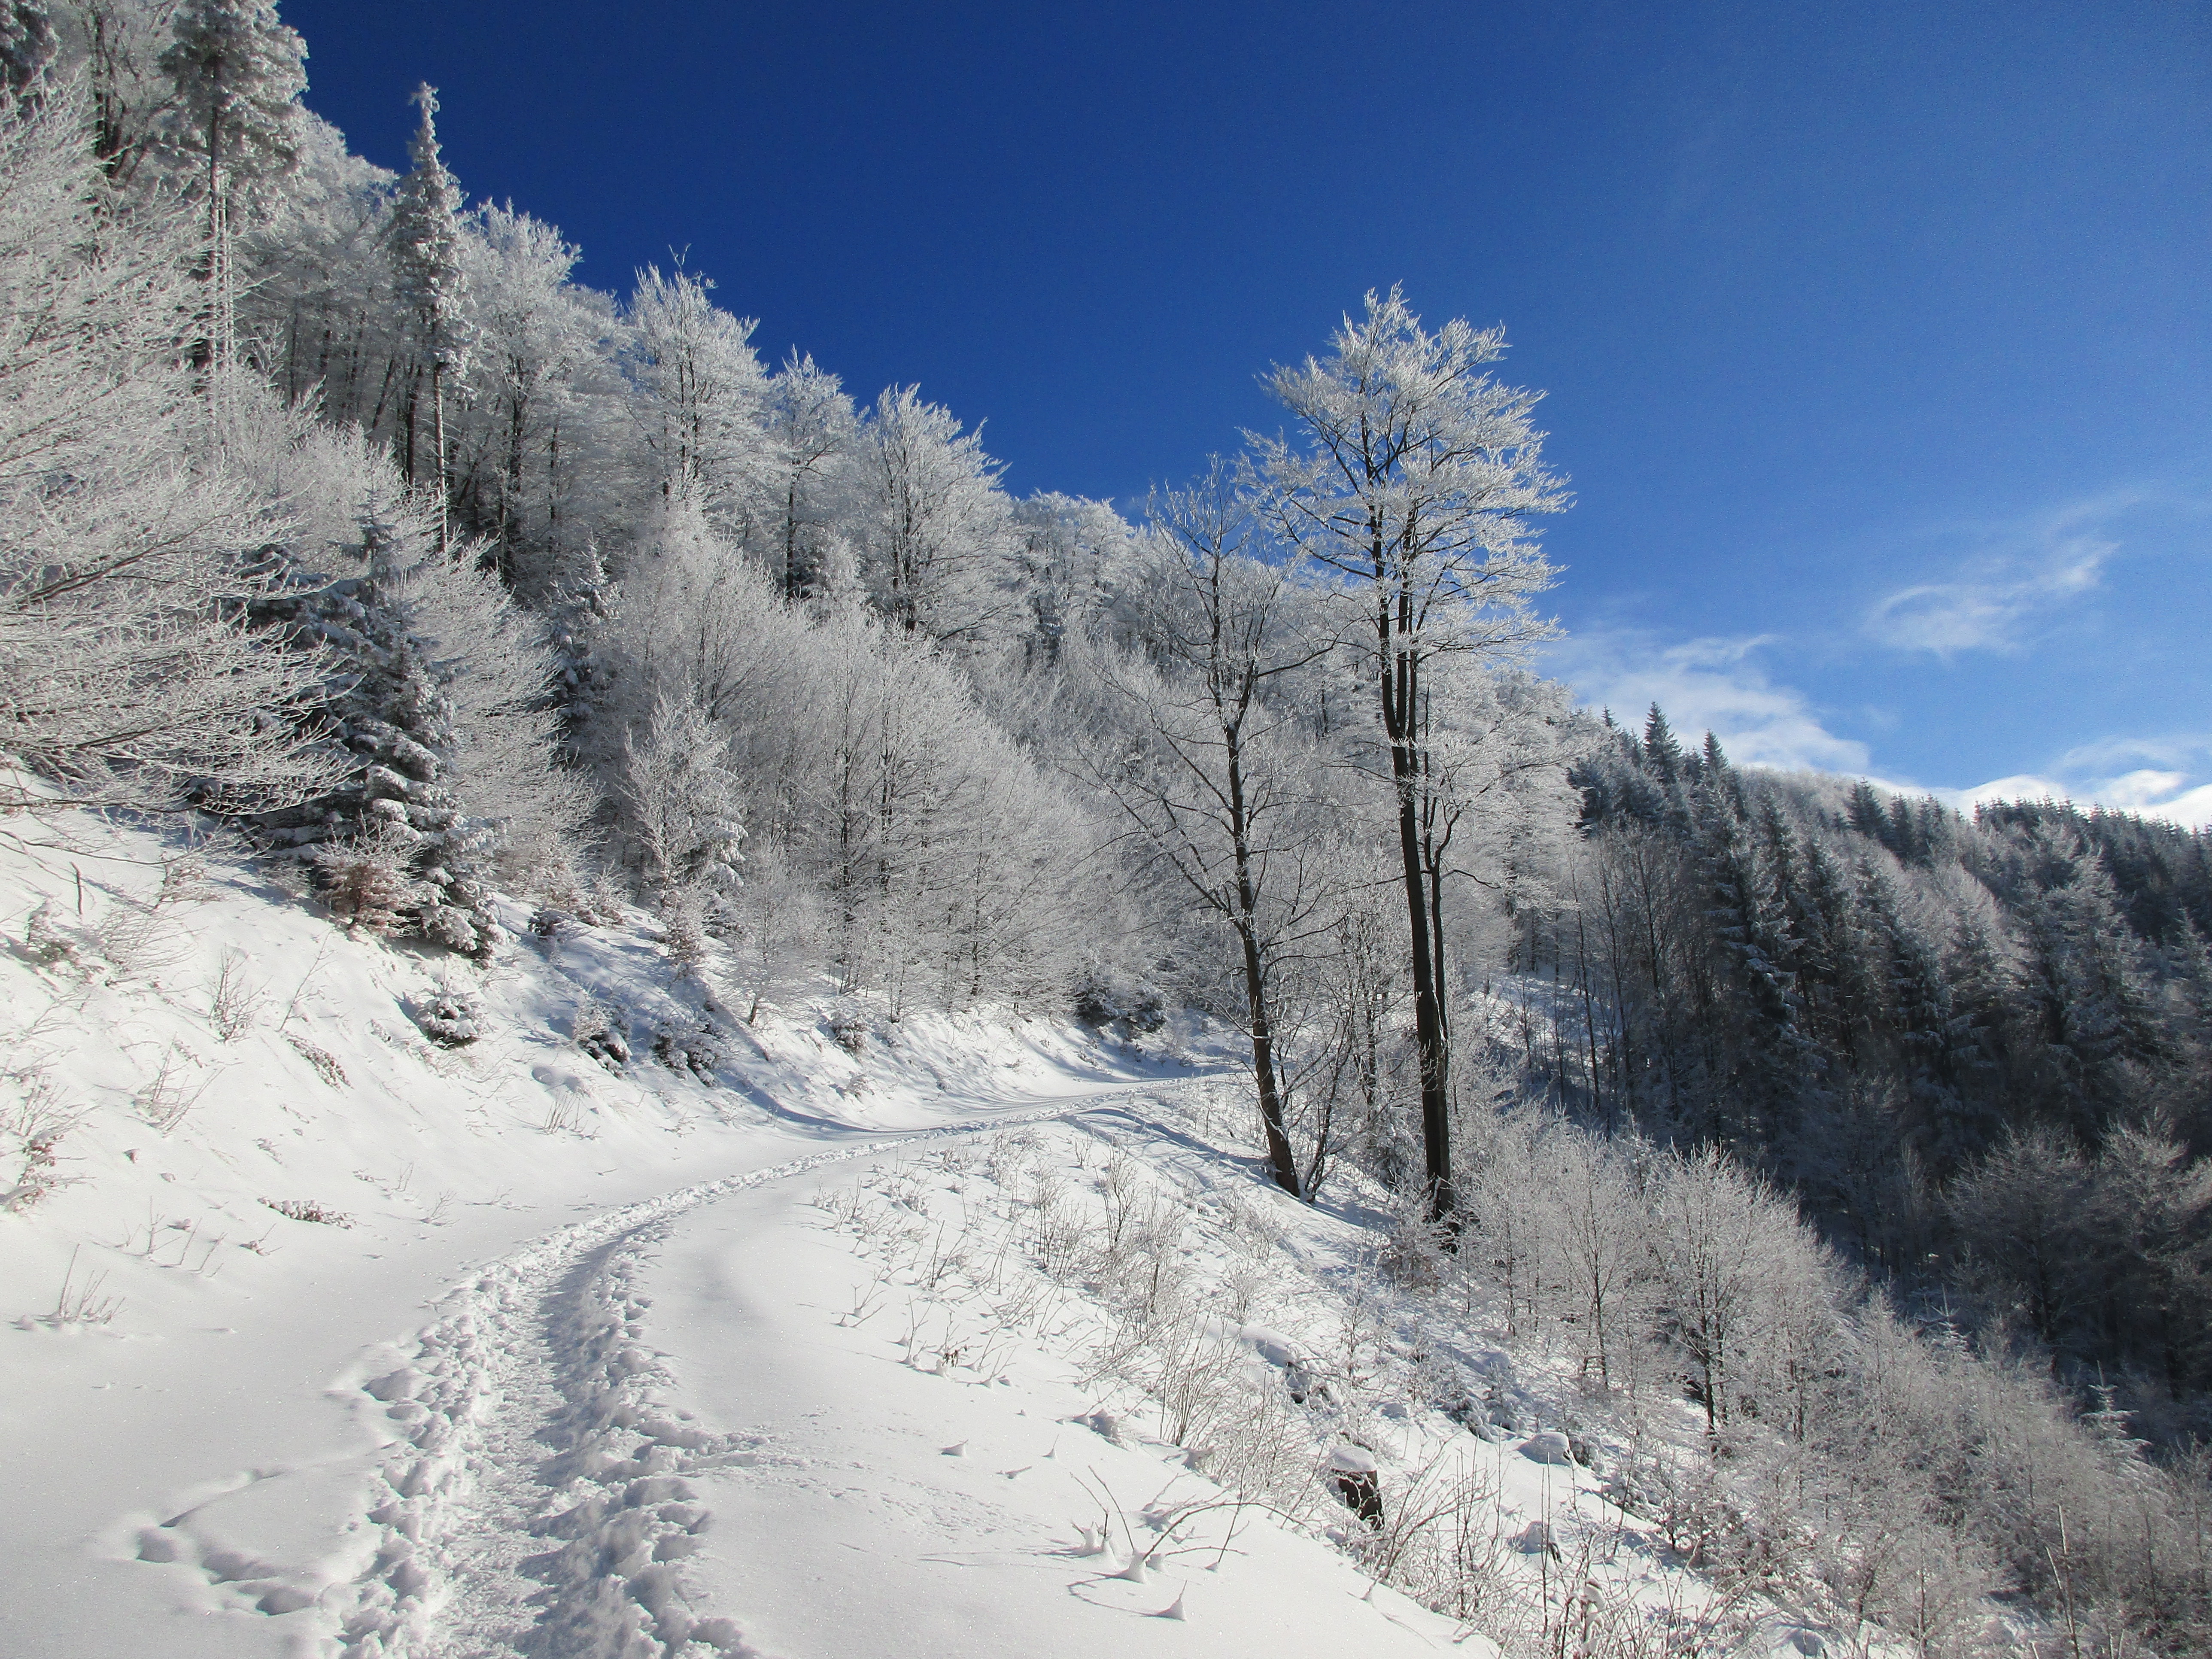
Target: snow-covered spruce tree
point(27, 49)
point(128, 669)
point(231, 129)
point(431, 284)
point(433, 673)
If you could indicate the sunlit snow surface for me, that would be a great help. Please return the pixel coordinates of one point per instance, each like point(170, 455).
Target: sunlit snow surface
point(783, 1349)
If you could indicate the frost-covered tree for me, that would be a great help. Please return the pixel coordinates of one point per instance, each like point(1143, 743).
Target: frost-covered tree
point(1205, 764)
point(810, 428)
point(129, 540)
point(700, 393)
point(682, 806)
point(236, 74)
point(1078, 568)
point(1413, 475)
point(935, 529)
point(431, 283)
point(438, 694)
point(27, 46)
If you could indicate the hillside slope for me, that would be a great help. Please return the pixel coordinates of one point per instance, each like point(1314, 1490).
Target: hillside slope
point(330, 1332)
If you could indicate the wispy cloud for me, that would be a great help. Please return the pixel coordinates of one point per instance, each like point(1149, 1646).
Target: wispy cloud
point(1714, 684)
point(2022, 576)
point(2176, 785)
point(1720, 685)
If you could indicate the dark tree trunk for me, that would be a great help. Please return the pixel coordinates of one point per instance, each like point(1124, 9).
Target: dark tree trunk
point(1280, 1159)
point(1401, 685)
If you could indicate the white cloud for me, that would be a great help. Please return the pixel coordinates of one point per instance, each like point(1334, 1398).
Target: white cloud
point(1708, 685)
point(1717, 685)
point(2175, 786)
point(2178, 787)
point(1994, 599)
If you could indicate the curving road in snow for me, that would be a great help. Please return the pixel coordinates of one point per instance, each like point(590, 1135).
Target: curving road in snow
point(311, 1488)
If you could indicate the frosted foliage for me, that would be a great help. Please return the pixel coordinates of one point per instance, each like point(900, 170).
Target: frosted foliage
point(26, 44)
point(1416, 473)
point(685, 815)
point(936, 531)
point(432, 281)
point(700, 393)
point(237, 72)
point(438, 695)
point(127, 537)
point(798, 529)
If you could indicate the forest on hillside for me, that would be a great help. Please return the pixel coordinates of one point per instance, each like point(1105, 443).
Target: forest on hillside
point(334, 510)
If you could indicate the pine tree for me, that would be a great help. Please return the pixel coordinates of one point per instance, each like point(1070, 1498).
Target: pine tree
point(396, 831)
point(236, 74)
point(1865, 812)
point(1769, 1051)
point(1979, 1038)
point(1660, 752)
point(433, 286)
point(27, 49)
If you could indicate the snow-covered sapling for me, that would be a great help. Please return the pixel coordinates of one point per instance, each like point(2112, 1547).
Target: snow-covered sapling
point(450, 1017)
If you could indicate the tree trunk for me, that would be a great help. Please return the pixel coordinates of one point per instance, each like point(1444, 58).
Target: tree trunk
point(438, 436)
point(1280, 1162)
point(1399, 678)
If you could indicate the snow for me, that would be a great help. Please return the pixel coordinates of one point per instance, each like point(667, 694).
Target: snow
point(327, 1338)
point(1547, 1447)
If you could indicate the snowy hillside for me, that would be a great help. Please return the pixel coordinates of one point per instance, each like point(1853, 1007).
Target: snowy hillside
point(330, 1332)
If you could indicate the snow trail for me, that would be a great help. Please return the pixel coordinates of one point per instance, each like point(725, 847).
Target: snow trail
point(534, 1504)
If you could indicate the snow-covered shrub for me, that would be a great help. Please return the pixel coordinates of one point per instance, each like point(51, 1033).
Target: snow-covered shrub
point(600, 1032)
point(684, 927)
point(848, 1024)
point(689, 1046)
point(36, 1123)
point(438, 696)
point(45, 944)
point(364, 879)
point(451, 1016)
point(308, 1209)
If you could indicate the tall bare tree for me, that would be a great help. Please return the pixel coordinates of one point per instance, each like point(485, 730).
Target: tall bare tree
point(1413, 475)
point(1213, 787)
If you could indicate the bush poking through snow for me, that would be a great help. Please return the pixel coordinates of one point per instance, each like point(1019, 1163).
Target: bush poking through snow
point(37, 1123)
point(848, 1025)
point(45, 945)
point(308, 1209)
point(324, 1063)
point(165, 1099)
point(451, 1017)
point(600, 1033)
point(80, 1303)
point(365, 882)
point(689, 1046)
point(234, 1003)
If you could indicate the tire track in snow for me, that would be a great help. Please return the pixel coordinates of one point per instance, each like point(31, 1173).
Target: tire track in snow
point(509, 1518)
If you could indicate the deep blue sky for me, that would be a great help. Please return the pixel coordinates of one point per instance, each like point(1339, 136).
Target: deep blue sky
point(1876, 337)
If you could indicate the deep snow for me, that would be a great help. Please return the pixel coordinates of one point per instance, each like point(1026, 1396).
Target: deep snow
point(324, 1338)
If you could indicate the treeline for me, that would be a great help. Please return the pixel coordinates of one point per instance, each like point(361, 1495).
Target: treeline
point(334, 505)
point(1865, 1464)
point(334, 508)
point(1980, 1051)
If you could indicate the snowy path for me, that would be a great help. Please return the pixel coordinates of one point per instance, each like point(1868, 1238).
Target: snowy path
point(865, 1504)
point(498, 1521)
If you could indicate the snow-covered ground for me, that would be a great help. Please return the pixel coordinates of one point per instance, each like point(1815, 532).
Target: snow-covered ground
point(626, 1328)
